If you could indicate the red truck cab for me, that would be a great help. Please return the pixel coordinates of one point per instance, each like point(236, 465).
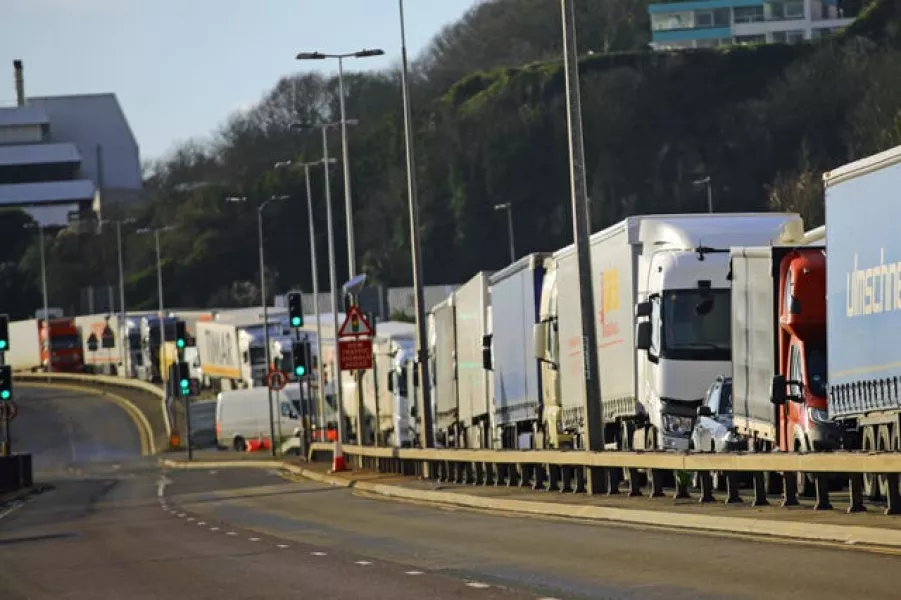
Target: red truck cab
point(799, 390)
point(61, 346)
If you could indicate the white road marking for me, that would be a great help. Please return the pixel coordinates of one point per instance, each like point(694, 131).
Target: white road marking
point(282, 546)
point(191, 519)
point(477, 584)
point(319, 553)
point(414, 572)
point(201, 523)
point(214, 529)
point(161, 484)
point(254, 539)
point(231, 533)
point(548, 598)
point(181, 515)
point(363, 563)
point(17, 505)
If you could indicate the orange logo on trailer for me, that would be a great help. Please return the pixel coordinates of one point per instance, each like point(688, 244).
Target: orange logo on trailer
point(610, 301)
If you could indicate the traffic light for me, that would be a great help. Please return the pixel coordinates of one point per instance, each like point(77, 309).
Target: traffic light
point(295, 309)
point(6, 383)
point(4, 333)
point(184, 379)
point(300, 351)
point(181, 335)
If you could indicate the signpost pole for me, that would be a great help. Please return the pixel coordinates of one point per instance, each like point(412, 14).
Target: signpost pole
point(7, 434)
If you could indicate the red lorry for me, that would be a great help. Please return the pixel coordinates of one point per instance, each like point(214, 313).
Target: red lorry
point(61, 345)
point(779, 350)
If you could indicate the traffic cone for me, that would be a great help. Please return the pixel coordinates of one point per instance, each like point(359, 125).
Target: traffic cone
point(338, 459)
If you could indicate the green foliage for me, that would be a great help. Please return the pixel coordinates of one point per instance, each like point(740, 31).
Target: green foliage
point(489, 104)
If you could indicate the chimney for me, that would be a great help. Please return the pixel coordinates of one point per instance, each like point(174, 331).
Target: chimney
point(20, 82)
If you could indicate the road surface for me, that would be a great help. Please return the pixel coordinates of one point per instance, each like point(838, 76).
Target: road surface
point(118, 527)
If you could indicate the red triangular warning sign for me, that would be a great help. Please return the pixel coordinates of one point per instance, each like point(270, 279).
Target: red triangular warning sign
point(355, 324)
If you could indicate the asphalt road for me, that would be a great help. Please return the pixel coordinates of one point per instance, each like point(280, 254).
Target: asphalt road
point(115, 526)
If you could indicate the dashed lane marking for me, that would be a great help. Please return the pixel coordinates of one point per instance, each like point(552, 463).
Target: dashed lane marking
point(319, 553)
point(363, 563)
point(231, 533)
point(477, 584)
point(282, 546)
point(214, 529)
point(254, 539)
point(414, 573)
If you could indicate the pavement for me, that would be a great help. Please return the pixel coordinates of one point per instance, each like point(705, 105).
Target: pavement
point(113, 524)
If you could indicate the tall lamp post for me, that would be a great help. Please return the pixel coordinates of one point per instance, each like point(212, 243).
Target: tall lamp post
point(333, 278)
point(44, 290)
point(264, 301)
point(581, 230)
point(348, 208)
point(314, 267)
point(506, 206)
point(123, 311)
point(159, 286)
point(427, 435)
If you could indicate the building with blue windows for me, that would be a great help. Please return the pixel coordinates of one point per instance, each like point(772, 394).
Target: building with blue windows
point(712, 23)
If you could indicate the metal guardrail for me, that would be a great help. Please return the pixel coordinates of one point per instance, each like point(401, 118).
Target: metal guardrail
point(567, 470)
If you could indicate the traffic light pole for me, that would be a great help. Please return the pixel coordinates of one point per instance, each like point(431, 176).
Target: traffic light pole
point(180, 355)
point(303, 398)
point(7, 435)
point(375, 386)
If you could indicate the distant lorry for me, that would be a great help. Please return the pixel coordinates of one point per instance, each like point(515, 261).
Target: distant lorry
point(662, 305)
point(233, 353)
point(863, 279)
point(779, 351)
point(191, 356)
point(474, 390)
point(155, 331)
point(37, 346)
point(508, 354)
point(442, 336)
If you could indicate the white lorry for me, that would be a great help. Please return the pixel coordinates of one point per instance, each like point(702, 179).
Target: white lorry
point(386, 391)
point(442, 337)
point(667, 274)
point(233, 352)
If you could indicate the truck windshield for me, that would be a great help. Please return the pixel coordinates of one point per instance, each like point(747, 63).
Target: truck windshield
point(816, 370)
point(64, 342)
point(402, 382)
point(696, 325)
point(258, 356)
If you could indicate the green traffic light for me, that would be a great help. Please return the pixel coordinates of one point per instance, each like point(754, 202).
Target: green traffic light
point(3, 344)
point(180, 343)
point(295, 321)
point(4, 394)
point(185, 383)
point(300, 370)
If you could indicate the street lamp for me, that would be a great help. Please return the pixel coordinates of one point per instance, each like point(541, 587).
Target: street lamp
point(44, 290)
point(159, 286)
point(260, 209)
point(705, 181)
point(348, 209)
point(581, 232)
point(509, 208)
point(123, 312)
point(333, 278)
point(314, 266)
point(427, 435)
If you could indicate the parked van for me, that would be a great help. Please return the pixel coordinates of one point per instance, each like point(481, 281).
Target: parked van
point(242, 415)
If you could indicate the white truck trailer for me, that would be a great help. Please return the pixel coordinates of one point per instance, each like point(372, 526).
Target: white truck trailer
point(233, 352)
point(474, 390)
point(386, 395)
point(515, 303)
point(668, 275)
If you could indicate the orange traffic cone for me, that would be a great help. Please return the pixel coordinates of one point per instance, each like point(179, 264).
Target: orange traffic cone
point(338, 459)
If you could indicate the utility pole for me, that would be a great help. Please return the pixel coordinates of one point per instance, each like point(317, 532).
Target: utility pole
point(594, 413)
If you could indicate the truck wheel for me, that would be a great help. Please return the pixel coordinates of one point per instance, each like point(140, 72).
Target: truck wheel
point(868, 444)
point(240, 445)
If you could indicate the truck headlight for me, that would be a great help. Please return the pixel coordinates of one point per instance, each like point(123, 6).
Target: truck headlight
point(818, 415)
point(674, 424)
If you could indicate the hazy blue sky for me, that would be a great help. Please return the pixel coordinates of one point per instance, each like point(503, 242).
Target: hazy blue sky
point(179, 67)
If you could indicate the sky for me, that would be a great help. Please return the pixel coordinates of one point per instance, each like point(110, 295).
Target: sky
point(180, 67)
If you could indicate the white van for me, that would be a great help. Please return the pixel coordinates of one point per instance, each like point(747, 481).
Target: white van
point(243, 415)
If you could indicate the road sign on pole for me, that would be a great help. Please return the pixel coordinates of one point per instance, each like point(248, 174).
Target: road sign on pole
point(355, 324)
point(276, 380)
point(355, 354)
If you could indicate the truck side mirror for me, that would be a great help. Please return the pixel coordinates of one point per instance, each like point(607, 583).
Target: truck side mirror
point(704, 411)
point(643, 309)
point(486, 353)
point(538, 343)
point(777, 392)
point(643, 336)
point(794, 306)
point(391, 382)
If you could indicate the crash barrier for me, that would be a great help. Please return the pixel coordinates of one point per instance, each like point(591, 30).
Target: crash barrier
point(569, 471)
point(158, 417)
point(15, 473)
